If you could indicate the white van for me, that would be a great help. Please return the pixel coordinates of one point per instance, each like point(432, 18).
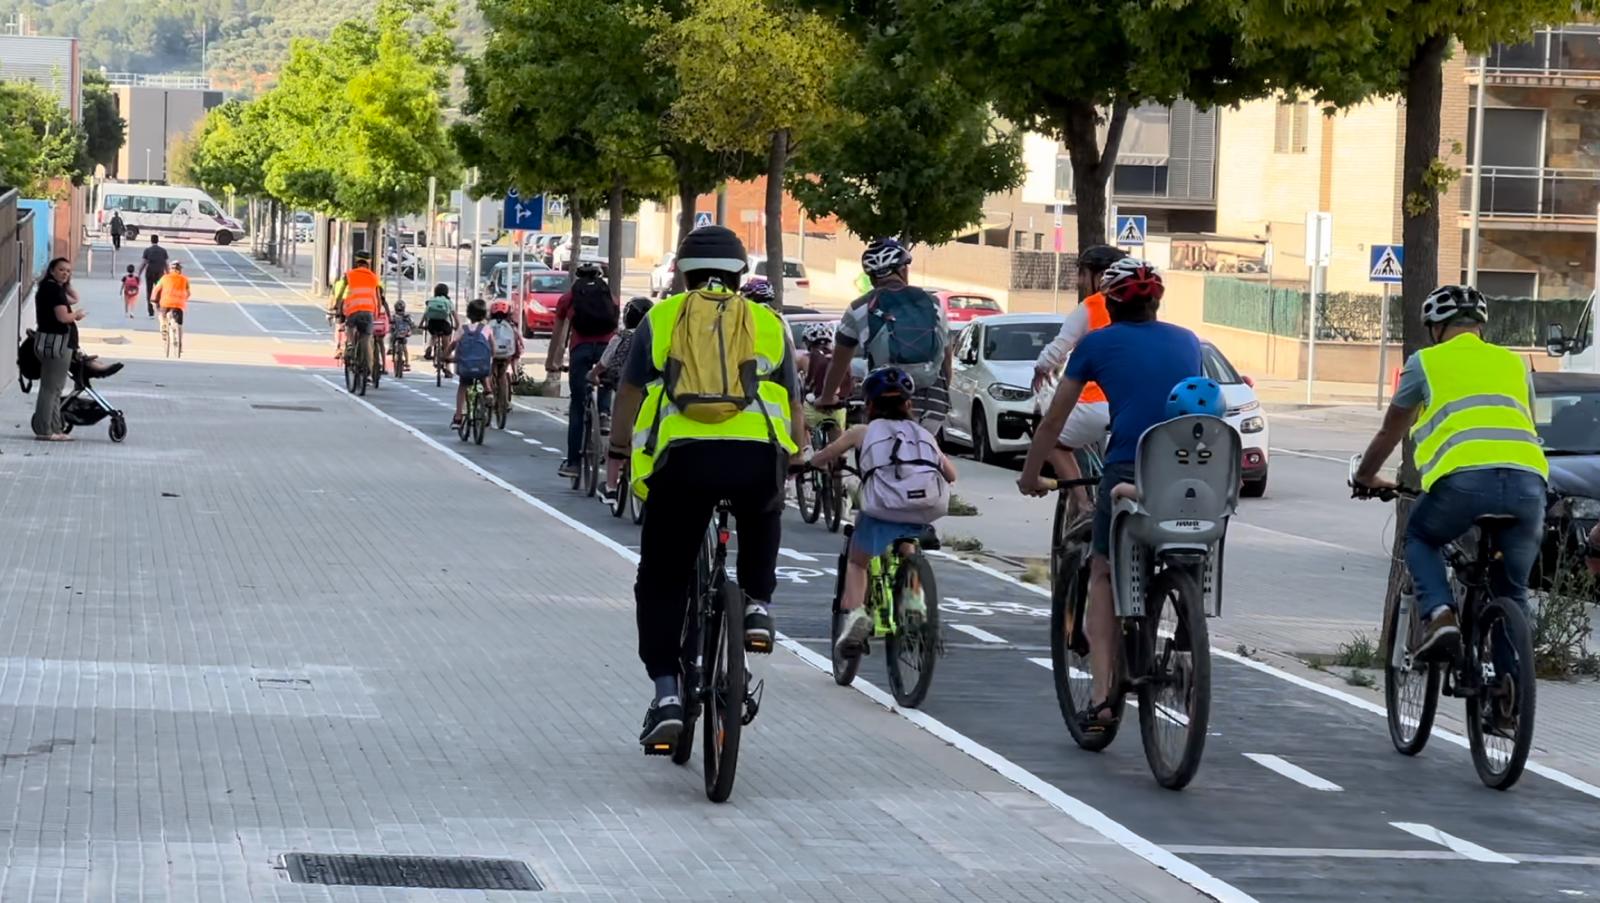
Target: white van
point(168, 210)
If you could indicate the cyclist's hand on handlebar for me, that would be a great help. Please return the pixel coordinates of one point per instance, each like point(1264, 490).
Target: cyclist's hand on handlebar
point(1041, 379)
point(1038, 487)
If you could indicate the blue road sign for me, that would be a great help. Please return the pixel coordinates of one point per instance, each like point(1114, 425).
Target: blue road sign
point(524, 213)
point(1387, 263)
point(1131, 230)
point(702, 219)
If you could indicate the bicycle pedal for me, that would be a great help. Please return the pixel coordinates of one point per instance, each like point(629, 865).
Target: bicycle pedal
point(657, 749)
point(752, 701)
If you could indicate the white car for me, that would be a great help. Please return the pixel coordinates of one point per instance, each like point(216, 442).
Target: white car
point(796, 283)
point(1246, 415)
point(662, 274)
point(563, 252)
point(991, 383)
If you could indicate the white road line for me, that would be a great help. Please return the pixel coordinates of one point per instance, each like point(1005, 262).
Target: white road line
point(1311, 852)
point(1071, 806)
point(515, 432)
point(1544, 771)
point(1236, 522)
point(1300, 454)
point(978, 633)
point(223, 258)
point(541, 411)
point(227, 296)
point(796, 556)
point(1464, 847)
point(1292, 772)
point(1044, 663)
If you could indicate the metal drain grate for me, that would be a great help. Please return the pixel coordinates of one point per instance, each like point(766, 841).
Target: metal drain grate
point(456, 873)
point(285, 407)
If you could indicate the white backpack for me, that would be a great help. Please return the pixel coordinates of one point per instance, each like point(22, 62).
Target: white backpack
point(900, 476)
point(505, 338)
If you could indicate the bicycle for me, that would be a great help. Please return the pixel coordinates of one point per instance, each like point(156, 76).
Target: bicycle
point(475, 417)
point(625, 499)
point(713, 678)
point(891, 575)
point(502, 392)
point(171, 333)
point(591, 453)
point(820, 492)
point(437, 348)
point(1166, 565)
point(398, 352)
point(1500, 695)
point(357, 365)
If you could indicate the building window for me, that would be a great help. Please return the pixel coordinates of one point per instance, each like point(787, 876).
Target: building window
point(1506, 283)
point(1289, 132)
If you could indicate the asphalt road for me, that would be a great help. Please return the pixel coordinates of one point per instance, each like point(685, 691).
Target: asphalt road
point(1300, 796)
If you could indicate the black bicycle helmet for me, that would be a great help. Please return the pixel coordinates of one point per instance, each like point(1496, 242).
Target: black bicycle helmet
point(588, 271)
point(1096, 258)
point(633, 313)
point(715, 249)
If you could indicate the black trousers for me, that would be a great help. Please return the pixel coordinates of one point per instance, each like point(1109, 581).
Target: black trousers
point(684, 491)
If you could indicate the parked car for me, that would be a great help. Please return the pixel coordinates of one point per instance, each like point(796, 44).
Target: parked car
point(486, 237)
point(304, 224)
point(541, 291)
point(1246, 415)
point(500, 279)
point(1566, 412)
point(545, 247)
point(801, 319)
point(991, 385)
point(563, 250)
point(662, 274)
point(964, 307)
point(796, 284)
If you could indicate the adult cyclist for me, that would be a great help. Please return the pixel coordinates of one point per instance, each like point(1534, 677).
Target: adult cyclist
point(586, 319)
point(760, 291)
point(1469, 407)
point(900, 325)
point(358, 307)
point(1091, 415)
point(1136, 360)
point(687, 464)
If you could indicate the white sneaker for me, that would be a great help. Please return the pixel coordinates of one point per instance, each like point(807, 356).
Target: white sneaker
point(852, 633)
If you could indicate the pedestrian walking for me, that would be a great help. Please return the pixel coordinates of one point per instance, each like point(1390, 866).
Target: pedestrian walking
point(117, 230)
point(55, 338)
point(153, 267)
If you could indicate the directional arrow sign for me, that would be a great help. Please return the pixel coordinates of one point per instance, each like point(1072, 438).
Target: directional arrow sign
point(524, 213)
point(1387, 263)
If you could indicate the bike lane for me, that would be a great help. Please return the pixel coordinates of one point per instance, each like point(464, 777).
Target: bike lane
point(1299, 796)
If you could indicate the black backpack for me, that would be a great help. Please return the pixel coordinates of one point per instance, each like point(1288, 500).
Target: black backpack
point(594, 311)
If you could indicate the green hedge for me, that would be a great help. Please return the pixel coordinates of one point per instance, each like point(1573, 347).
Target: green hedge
point(1243, 305)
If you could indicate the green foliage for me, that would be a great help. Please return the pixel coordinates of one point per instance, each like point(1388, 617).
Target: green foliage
point(1360, 652)
point(906, 152)
point(39, 143)
point(231, 149)
point(104, 130)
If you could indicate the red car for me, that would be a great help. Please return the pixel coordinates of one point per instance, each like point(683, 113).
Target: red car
point(964, 307)
point(542, 289)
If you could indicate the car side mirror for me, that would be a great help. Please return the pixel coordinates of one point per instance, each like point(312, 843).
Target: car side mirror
point(1556, 342)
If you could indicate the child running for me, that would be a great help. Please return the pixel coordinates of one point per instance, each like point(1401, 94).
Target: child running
point(904, 487)
point(130, 290)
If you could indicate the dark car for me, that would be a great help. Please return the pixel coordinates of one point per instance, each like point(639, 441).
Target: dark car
point(1566, 412)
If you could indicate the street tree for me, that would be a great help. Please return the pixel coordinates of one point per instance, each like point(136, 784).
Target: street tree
point(104, 130)
point(41, 148)
point(784, 60)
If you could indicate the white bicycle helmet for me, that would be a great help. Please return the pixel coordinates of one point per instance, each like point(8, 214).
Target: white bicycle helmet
point(884, 256)
point(1447, 302)
point(817, 333)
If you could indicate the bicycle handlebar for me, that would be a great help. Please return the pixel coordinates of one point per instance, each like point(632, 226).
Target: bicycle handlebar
point(1384, 494)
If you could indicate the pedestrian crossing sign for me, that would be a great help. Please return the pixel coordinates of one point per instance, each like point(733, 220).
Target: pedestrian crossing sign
point(1388, 261)
point(1131, 231)
point(701, 220)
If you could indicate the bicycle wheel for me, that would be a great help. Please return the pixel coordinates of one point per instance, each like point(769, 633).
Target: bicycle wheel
point(465, 428)
point(179, 328)
point(844, 668)
point(438, 362)
point(349, 373)
point(369, 350)
point(480, 416)
point(912, 651)
point(1500, 716)
point(1069, 660)
point(590, 467)
point(808, 495)
point(166, 336)
point(398, 355)
point(624, 499)
point(724, 716)
point(1175, 695)
point(1410, 694)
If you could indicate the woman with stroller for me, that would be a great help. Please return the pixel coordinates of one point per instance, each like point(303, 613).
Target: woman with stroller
point(55, 338)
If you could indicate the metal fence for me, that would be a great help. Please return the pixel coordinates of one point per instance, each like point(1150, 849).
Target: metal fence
point(16, 267)
point(1031, 270)
point(1355, 316)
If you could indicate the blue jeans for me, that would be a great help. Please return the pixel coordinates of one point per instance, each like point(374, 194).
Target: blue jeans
point(1447, 510)
point(583, 358)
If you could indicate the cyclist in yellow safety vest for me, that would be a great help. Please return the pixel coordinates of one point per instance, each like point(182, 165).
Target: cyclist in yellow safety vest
point(687, 464)
point(1469, 406)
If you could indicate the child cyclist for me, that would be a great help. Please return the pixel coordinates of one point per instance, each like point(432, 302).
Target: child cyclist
point(130, 290)
point(605, 374)
point(400, 330)
point(813, 364)
point(894, 449)
point(439, 319)
point(507, 339)
point(475, 332)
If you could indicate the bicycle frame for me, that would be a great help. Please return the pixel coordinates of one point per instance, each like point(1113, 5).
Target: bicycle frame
point(1464, 677)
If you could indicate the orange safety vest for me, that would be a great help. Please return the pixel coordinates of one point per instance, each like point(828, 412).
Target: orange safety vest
point(360, 292)
point(1098, 319)
point(174, 290)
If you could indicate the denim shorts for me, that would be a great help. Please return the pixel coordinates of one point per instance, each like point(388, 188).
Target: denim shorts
point(1120, 472)
point(873, 536)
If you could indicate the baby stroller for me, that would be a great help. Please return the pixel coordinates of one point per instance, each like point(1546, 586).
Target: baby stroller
point(84, 405)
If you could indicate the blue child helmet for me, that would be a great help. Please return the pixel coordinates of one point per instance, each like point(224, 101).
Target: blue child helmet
point(1196, 395)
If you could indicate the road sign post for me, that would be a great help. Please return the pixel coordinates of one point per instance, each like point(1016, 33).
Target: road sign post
point(1131, 231)
point(1319, 250)
point(1387, 267)
point(1055, 268)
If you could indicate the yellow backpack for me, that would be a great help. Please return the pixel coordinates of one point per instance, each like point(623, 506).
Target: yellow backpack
point(710, 374)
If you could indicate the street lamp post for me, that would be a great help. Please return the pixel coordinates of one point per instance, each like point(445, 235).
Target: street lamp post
point(147, 164)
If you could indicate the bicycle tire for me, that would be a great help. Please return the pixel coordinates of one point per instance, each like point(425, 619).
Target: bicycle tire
point(180, 340)
point(166, 337)
point(480, 419)
point(1156, 652)
point(844, 668)
point(374, 362)
point(723, 646)
point(579, 468)
point(1521, 696)
point(349, 374)
point(624, 493)
point(1070, 663)
point(438, 365)
point(399, 362)
point(464, 429)
point(591, 458)
point(1423, 677)
point(922, 643)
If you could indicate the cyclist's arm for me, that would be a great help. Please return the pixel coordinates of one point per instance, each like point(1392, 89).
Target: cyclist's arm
point(1054, 355)
point(1396, 420)
point(558, 345)
point(838, 371)
point(635, 374)
point(947, 467)
point(1044, 436)
point(841, 446)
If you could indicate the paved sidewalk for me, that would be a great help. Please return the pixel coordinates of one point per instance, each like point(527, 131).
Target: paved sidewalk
point(273, 621)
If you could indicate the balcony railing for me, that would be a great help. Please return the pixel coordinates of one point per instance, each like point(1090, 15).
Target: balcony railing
point(173, 80)
point(1557, 52)
point(1539, 193)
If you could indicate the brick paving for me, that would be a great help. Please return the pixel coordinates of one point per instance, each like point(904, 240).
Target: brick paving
point(254, 631)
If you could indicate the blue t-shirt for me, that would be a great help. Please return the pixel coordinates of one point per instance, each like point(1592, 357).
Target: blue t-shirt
point(1137, 364)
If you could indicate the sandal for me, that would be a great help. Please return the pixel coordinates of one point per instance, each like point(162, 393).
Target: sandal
point(1090, 722)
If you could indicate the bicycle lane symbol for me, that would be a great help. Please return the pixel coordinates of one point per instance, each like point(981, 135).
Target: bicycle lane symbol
point(958, 606)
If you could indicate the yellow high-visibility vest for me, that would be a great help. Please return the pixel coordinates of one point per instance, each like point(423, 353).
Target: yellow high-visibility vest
point(1479, 411)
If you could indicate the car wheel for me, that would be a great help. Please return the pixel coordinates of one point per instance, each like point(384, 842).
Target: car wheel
point(981, 448)
point(1254, 489)
point(224, 237)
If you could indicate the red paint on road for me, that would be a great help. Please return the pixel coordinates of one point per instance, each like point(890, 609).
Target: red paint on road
point(323, 361)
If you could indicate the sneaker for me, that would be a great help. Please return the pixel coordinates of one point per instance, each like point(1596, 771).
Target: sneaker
point(852, 633)
point(567, 471)
point(663, 721)
point(1441, 634)
point(757, 627)
point(608, 495)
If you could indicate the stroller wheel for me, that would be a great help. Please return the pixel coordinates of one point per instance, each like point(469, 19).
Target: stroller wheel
point(119, 427)
point(25, 384)
point(66, 428)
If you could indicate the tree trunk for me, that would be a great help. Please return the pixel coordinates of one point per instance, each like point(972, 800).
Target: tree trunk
point(575, 210)
point(687, 198)
point(777, 162)
point(614, 238)
point(272, 232)
point(1420, 232)
point(1092, 165)
point(722, 204)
